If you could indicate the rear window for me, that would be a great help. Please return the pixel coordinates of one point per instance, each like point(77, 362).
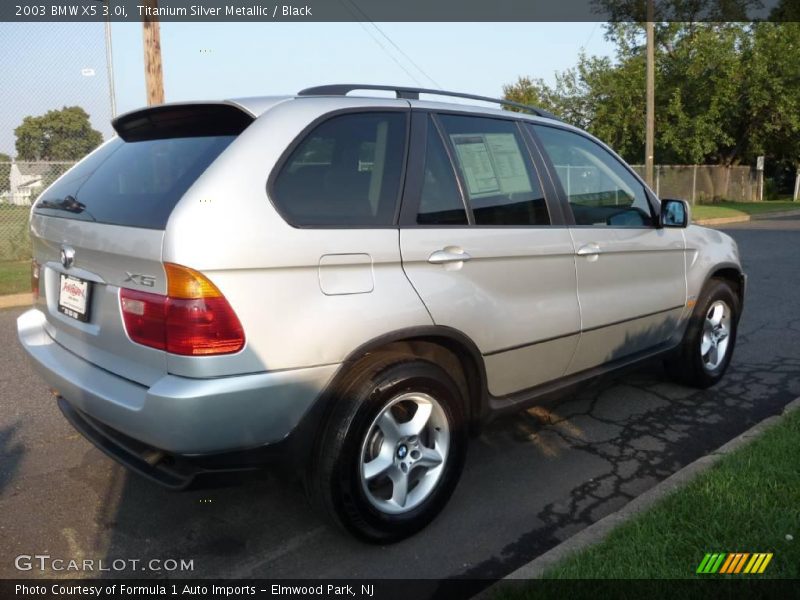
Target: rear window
point(346, 172)
point(135, 183)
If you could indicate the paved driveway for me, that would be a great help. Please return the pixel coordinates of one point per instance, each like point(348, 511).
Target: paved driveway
point(531, 480)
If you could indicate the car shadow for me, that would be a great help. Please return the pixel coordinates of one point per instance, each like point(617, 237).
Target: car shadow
point(11, 451)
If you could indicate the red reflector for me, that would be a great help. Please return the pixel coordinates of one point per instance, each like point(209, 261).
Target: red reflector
point(191, 327)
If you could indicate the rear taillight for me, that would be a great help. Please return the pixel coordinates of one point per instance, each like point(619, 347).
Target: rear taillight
point(193, 319)
point(35, 268)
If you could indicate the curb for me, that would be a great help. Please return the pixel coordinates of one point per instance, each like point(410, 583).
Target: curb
point(16, 300)
point(597, 532)
point(745, 218)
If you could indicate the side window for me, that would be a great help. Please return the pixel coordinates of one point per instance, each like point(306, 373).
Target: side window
point(440, 201)
point(347, 171)
point(501, 185)
point(601, 191)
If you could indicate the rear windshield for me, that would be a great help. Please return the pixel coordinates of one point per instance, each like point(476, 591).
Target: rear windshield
point(136, 183)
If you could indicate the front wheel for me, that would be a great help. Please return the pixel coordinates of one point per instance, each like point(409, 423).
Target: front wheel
point(707, 347)
point(392, 450)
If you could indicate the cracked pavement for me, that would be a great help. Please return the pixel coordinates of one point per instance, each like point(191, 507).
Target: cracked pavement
point(531, 479)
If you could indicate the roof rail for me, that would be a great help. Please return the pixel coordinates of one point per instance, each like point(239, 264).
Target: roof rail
point(412, 93)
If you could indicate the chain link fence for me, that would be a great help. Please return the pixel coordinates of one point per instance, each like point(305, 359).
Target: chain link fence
point(703, 184)
point(20, 186)
point(46, 67)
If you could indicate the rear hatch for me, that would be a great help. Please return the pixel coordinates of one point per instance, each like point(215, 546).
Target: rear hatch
point(101, 226)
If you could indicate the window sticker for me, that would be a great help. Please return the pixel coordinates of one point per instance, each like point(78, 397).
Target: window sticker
point(492, 164)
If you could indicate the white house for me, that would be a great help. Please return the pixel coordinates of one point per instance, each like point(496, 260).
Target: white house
point(22, 184)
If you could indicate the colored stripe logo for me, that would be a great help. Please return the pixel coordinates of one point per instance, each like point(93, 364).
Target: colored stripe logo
point(729, 563)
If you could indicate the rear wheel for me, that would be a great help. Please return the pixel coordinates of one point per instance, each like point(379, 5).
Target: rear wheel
point(707, 347)
point(392, 450)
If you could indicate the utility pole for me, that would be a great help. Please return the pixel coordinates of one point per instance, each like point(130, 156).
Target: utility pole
point(154, 77)
point(651, 94)
point(110, 66)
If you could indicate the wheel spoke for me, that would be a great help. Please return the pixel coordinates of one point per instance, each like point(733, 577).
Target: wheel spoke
point(418, 421)
point(378, 465)
point(390, 428)
point(705, 344)
point(430, 458)
point(399, 486)
point(717, 311)
point(713, 356)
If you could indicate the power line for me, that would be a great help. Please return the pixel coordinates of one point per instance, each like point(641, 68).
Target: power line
point(398, 48)
point(358, 19)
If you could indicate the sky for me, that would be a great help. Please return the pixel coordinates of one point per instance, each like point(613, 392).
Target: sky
point(45, 64)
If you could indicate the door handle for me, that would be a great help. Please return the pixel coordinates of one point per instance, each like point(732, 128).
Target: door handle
point(591, 249)
point(448, 255)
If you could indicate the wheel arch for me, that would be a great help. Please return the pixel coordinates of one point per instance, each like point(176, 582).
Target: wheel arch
point(445, 346)
point(732, 274)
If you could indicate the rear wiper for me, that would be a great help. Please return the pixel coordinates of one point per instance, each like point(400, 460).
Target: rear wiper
point(69, 204)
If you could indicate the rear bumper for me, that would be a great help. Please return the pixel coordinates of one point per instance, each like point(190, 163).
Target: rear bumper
point(177, 415)
point(164, 470)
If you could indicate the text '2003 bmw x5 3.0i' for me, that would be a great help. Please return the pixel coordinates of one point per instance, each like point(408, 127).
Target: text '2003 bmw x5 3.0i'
point(357, 283)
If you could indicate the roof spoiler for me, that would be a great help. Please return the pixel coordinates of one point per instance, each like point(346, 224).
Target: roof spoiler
point(201, 119)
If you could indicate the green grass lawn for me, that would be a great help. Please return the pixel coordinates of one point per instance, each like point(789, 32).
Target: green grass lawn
point(15, 243)
point(737, 209)
point(15, 277)
point(15, 250)
point(748, 502)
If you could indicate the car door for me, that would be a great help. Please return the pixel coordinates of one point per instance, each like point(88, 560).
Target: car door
point(631, 273)
point(478, 245)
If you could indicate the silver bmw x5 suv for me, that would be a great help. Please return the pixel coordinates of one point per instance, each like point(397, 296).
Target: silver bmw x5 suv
point(354, 284)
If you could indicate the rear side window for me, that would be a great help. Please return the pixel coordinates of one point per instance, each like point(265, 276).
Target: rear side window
point(440, 200)
point(346, 172)
point(137, 184)
point(501, 185)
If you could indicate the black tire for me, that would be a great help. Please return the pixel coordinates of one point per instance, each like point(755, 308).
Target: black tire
point(687, 365)
point(334, 481)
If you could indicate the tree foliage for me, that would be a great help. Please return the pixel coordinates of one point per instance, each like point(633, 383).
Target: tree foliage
point(64, 134)
point(725, 92)
point(685, 11)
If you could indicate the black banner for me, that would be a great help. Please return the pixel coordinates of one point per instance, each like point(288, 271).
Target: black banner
point(393, 589)
point(396, 10)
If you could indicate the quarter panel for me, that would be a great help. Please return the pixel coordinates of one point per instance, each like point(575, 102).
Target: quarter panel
point(226, 227)
point(289, 321)
point(706, 251)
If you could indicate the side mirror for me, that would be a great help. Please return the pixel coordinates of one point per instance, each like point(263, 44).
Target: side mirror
point(674, 213)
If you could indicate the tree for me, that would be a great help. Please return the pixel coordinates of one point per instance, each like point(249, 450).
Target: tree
point(64, 134)
point(725, 92)
point(596, 96)
point(684, 11)
point(5, 171)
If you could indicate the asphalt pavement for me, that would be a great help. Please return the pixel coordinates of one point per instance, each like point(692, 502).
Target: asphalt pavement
point(531, 480)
